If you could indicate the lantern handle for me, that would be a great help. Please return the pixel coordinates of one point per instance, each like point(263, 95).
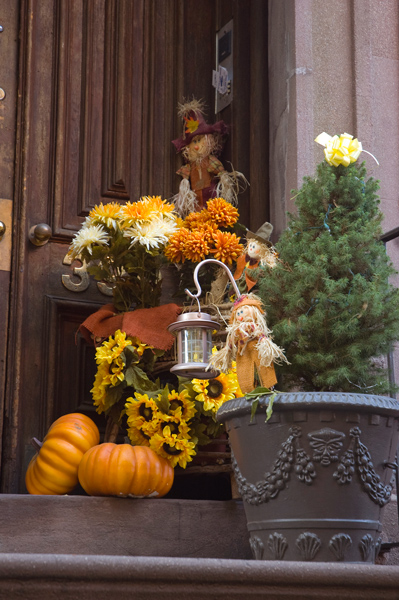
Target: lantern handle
point(197, 284)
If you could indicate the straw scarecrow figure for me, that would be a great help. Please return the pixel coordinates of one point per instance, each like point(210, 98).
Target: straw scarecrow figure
point(250, 343)
point(203, 175)
point(258, 252)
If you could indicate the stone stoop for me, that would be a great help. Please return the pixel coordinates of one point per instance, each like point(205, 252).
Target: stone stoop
point(81, 548)
point(67, 577)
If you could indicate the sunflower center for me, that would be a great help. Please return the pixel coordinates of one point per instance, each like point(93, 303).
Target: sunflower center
point(172, 451)
point(215, 388)
point(175, 404)
point(146, 412)
point(174, 427)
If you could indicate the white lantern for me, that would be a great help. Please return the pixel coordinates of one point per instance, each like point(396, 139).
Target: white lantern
point(194, 345)
point(194, 334)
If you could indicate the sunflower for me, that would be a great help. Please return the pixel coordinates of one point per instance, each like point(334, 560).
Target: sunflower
point(177, 450)
point(174, 251)
point(142, 410)
point(99, 389)
point(214, 392)
point(180, 401)
point(227, 246)
point(138, 436)
point(112, 348)
point(222, 212)
point(176, 424)
point(105, 214)
point(139, 346)
point(88, 236)
point(196, 247)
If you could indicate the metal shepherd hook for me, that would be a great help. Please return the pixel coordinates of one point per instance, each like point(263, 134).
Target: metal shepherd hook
point(197, 284)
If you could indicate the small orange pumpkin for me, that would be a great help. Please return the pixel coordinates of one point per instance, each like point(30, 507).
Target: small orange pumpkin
point(124, 470)
point(54, 469)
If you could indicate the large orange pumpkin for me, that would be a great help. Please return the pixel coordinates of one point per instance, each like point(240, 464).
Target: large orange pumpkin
point(123, 470)
point(54, 469)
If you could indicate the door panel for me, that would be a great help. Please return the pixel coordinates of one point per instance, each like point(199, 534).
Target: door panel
point(99, 82)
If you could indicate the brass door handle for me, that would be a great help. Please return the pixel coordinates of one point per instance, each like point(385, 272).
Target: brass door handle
point(2, 230)
point(40, 234)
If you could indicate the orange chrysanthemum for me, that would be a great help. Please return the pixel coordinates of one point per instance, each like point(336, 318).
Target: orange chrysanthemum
point(208, 230)
point(196, 247)
point(197, 219)
point(174, 251)
point(222, 212)
point(227, 247)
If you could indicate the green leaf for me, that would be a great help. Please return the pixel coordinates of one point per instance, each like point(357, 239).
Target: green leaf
point(269, 408)
point(254, 406)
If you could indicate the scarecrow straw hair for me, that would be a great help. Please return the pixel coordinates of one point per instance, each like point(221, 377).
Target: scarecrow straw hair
point(188, 106)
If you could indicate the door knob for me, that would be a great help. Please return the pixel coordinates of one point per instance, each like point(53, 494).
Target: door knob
point(40, 234)
point(2, 229)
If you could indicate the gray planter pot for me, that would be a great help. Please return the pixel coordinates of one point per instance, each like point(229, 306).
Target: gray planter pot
point(313, 478)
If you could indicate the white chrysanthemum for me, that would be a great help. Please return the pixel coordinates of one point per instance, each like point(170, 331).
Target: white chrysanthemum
point(151, 235)
point(86, 237)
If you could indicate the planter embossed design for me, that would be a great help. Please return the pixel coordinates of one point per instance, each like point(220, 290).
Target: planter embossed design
point(313, 478)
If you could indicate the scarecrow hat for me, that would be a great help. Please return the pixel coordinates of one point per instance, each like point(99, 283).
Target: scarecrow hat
point(262, 235)
point(194, 123)
point(246, 300)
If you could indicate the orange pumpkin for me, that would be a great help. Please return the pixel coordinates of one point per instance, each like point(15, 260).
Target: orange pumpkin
point(54, 469)
point(123, 470)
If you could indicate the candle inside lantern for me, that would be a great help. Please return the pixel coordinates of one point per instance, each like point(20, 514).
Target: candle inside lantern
point(194, 345)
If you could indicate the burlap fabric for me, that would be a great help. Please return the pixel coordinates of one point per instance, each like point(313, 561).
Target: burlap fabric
point(150, 325)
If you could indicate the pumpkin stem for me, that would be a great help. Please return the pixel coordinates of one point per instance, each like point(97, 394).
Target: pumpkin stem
point(37, 444)
point(111, 431)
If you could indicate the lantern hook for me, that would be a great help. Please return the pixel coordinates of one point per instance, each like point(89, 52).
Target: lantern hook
point(197, 284)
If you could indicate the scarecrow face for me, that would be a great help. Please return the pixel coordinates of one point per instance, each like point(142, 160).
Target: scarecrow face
point(254, 249)
point(198, 147)
point(244, 313)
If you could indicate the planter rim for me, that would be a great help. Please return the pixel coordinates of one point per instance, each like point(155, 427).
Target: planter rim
point(311, 401)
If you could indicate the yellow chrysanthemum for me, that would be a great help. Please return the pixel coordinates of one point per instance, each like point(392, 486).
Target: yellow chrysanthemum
point(222, 212)
point(174, 251)
point(105, 214)
point(181, 401)
point(160, 206)
point(196, 247)
point(227, 247)
point(214, 392)
point(137, 211)
point(146, 209)
point(177, 450)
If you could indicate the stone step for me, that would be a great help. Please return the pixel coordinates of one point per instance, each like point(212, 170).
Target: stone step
point(67, 577)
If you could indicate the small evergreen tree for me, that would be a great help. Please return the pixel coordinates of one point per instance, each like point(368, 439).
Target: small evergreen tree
point(329, 300)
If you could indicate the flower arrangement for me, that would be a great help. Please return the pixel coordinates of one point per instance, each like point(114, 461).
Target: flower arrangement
point(207, 233)
point(123, 246)
point(172, 422)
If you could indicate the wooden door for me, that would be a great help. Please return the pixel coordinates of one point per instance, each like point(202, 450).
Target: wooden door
point(98, 86)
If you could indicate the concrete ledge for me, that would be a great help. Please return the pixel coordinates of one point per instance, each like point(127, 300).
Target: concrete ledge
point(123, 526)
point(34, 577)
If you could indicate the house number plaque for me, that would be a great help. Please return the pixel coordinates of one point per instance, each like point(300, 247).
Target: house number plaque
point(83, 278)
